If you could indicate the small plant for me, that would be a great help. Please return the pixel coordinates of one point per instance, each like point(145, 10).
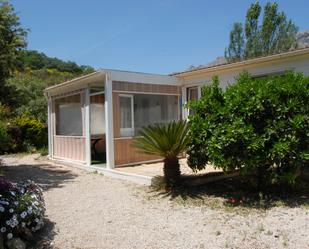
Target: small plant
point(168, 141)
point(21, 209)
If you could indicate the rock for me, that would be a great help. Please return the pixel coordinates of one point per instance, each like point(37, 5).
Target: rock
point(16, 243)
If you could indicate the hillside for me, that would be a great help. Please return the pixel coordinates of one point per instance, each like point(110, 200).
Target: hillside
point(38, 71)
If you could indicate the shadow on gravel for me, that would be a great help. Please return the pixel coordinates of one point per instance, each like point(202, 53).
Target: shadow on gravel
point(47, 176)
point(237, 192)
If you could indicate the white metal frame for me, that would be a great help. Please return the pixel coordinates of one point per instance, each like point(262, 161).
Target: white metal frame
point(109, 123)
point(50, 128)
point(87, 128)
point(132, 113)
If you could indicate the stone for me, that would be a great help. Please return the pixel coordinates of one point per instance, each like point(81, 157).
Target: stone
point(15, 243)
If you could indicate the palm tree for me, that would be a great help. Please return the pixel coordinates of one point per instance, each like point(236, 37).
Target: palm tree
point(168, 141)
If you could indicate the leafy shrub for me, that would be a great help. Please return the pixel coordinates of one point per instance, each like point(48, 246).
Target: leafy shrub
point(21, 209)
point(16, 143)
point(5, 138)
point(33, 131)
point(258, 126)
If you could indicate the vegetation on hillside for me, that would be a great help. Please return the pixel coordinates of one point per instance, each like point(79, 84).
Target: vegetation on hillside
point(24, 74)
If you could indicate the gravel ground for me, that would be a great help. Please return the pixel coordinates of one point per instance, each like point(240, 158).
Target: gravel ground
point(86, 210)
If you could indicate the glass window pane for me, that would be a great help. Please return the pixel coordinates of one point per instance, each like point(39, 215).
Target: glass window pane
point(192, 93)
point(97, 115)
point(151, 109)
point(126, 126)
point(69, 116)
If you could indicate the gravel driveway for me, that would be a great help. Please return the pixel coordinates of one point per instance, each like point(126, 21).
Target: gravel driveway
point(87, 210)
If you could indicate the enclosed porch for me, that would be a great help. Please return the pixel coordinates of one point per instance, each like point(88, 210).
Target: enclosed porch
point(93, 119)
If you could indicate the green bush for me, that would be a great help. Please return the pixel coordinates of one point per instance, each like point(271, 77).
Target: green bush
point(33, 131)
point(258, 126)
point(5, 139)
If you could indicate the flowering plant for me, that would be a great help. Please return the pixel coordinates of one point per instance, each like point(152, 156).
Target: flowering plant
point(21, 208)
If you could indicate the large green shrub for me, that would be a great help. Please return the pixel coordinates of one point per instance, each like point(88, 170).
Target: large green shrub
point(5, 139)
point(33, 131)
point(258, 126)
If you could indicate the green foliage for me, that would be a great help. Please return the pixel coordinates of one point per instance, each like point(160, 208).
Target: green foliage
point(30, 85)
point(276, 34)
point(257, 126)
point(5, 139)
point(35, 60)
point(165, 140)
point(33, 131)
point(11, 42)
point(236, 46)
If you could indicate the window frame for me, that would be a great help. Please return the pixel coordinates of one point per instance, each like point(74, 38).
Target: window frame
point(131, 97)
point(56, 113)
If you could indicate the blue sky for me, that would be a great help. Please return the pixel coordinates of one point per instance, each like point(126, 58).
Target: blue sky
point(155, 36)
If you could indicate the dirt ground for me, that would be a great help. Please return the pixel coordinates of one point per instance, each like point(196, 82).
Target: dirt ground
point(87, 210)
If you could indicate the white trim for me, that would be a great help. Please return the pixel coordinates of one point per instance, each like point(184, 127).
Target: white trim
point(50, 127)
point(240, 64)
point(138, 163)
point(183, 103)
point(64, 95)
point(87, 128)
point(145, 78)
point(64, 136)
point(67, 160)
point(96, 93)
point(123, 138)
point(109, 119)
point(149, 93)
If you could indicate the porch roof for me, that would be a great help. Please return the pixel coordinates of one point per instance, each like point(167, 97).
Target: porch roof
point(100, 76)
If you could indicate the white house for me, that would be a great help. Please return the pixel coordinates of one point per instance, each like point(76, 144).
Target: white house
point(92, 119)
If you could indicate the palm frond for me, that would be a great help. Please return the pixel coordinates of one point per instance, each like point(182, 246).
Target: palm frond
point(165, 140)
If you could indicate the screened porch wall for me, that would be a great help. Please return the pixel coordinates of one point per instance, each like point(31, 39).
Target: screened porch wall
point(69, 141)
point(124, 152)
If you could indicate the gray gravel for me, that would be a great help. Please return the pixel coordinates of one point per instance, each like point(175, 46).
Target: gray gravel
point(93, 211)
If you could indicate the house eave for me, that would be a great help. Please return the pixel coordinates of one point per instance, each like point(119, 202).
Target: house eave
point(236, 65)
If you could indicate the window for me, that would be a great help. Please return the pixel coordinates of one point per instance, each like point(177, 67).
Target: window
point(69, 116)
point(192, 93)
point(126, 116)
point(140, 110)
point(151, 109)
point(97, 115)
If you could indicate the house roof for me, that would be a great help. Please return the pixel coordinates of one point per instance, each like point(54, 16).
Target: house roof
point(225, 65)
point(99, 76)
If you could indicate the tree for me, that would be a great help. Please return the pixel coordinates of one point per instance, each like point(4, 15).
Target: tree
point(276, 34)
point(12, 41)
point(257, 126)
point(236, 46)
point(167, 141)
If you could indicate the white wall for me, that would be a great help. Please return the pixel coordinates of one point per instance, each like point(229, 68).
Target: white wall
point(227, 76)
